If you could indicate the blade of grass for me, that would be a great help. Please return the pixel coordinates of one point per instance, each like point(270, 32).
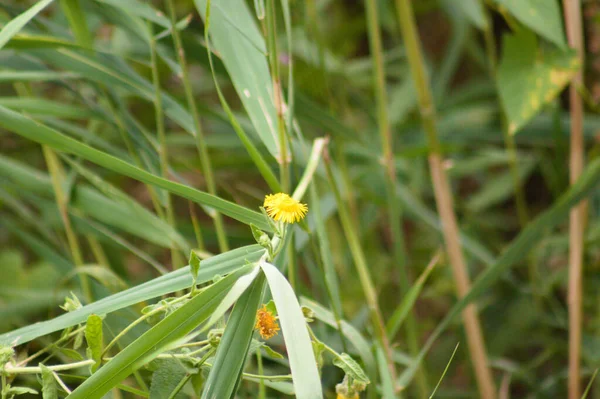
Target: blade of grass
point(17, 23)
point(77, 21)
point(515, 252)
point(174, 281)
point(307, 383)
point(408, 301)
point(225, 375)
point(445, 371)
point(257, 158)
point(156, 340)
point(28, 128)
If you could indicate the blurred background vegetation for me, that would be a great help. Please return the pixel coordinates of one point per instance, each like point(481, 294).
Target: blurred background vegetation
point(497, 71)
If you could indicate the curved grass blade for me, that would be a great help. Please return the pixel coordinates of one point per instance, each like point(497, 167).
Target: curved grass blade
point(37, 132)
point(156, 340)
point(174, 281)
point(307, 383)
point(408, 301)
point(515, 252)
point(17, 23)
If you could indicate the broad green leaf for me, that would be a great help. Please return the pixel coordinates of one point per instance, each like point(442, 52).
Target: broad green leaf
point(156, 340)
point(230, 359)
point(37, 132)
point(49, 390)
point(94, 338)
point(241, 47)
point(351, 368)
point(166, 378)
point(529, 79)
point(307, 383)
point(515, 252)
point(174, 281)
point(17, 23)
point(542, 16)
point(471, 9)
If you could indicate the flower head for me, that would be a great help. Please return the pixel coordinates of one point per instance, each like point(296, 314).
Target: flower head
point(281, 206)
point(266, 323)
point(342, 396)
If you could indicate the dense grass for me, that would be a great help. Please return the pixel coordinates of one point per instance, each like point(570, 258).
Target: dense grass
point(452, 242)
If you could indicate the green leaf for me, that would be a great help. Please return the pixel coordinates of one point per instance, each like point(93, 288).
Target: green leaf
point(21, 391)
point(408, 301)
point(387, 385)
point(351, 368)
point(232, 296)
point(542, 16)
point(241, 47)
point(174, 281)
point(305, 375)
point(94, 338)
point(157, 340)
point(529, 79)
point(17, 23)
point(194, 264)
point(37, 132)
point(49, 390)
point(228, 366)
point(166, 378)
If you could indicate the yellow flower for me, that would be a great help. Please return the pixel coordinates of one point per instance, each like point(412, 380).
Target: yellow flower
point(266, 323)
point(281, 206)
point(342, 396)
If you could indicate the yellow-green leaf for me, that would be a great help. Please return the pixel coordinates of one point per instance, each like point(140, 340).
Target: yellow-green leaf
point(529, 78)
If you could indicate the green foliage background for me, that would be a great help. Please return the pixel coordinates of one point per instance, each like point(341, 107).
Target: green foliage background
point(125, 146)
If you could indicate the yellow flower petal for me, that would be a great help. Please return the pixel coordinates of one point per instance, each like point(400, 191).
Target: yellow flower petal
point(282, 207)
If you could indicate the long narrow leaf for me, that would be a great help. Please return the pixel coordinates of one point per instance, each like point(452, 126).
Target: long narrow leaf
point(305, 375)
point(156, 340)
point(37, 132)
point(174, 281)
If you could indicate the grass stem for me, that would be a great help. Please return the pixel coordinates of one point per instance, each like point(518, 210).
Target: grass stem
point(573, 23)
point(443, 197)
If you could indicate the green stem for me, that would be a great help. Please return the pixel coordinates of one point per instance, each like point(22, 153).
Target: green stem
point(198, 132)
point(393, 206)
point(163, 151)
point(443, 197)
point(57, 176)
point(284, 171)
point(350, 231)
